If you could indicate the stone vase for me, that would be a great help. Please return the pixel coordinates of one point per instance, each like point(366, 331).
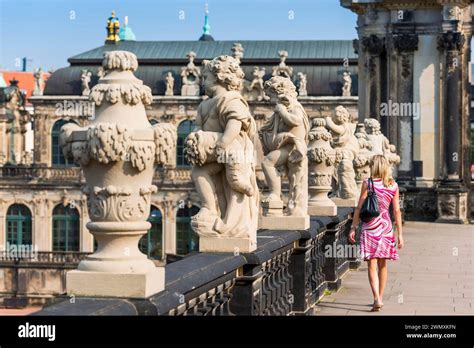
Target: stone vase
point(321, 157)
point(118, 152)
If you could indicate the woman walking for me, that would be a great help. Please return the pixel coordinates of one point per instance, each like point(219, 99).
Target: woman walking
point(377, 240)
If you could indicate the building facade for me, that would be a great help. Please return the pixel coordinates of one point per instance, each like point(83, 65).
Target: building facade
point(414, 68)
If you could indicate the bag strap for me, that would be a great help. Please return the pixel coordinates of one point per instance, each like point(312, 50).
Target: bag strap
point(370, 181)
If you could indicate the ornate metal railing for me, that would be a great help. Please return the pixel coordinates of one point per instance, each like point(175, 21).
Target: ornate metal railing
point(286, 275)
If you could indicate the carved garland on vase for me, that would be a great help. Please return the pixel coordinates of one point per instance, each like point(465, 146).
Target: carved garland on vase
point(113, 203)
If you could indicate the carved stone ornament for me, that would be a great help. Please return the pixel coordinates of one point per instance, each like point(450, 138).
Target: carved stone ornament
point(379, 142)
point(362, 160)
point(405, 42)
point(451, 41)
point(373, 45)
point(322, 158)
point(118, 152)
point(191, 76)
point(282, 69)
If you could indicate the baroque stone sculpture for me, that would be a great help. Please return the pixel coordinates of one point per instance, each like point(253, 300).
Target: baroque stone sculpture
point(380, 144)
point(362, 160)
point(222, 154)
point(118, 152)
point(38, 75)
point(284, 140)
point(190, 75)
point(282, 69)
point(347, 84)
point(322, 158)
point(302, 82)
point(237, 51)
point(86, 79)
point(255, 88)
point(347, 147)
point(169, 83)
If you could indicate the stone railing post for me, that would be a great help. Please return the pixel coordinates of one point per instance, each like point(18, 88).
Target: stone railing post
point(118, 152)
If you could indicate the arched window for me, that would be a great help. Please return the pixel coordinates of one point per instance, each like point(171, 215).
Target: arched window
point(58, 158)
point(151, 243)
point(19, 225)
point(184, 129)
point(186, 239)
point(65, 228)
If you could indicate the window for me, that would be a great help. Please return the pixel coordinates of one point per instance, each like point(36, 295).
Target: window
point(65, 228)
point(151, 244)
point(19, 225)
point(186, 239)
point(184, 129)
point(153, 122)
point(58, 158)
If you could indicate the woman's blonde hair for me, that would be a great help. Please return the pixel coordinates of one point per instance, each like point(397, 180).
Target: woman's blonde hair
point(381, 168)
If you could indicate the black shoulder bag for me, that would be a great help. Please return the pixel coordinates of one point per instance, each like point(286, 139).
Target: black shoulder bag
point(370, 208)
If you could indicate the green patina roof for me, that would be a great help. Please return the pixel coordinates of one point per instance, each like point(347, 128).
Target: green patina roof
point(312, 50)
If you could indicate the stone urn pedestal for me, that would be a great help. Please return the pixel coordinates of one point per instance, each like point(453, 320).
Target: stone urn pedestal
point(118, 152)
point(272, 218)
point(321, 158)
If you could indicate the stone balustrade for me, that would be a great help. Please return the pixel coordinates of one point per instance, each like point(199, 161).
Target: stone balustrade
point(286, 275)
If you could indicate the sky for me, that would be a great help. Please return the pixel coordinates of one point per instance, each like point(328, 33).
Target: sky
point(48, 32)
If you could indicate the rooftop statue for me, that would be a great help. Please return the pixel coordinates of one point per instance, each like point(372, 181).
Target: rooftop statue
point(282, 69)
point(86, 79)
point(113, 29)
point(169, 84)
point(39, 82)
point(190, 75)
point(347, 84)
point(255, 89)
point(302, 84)
point(284, 140)
point(222, 154)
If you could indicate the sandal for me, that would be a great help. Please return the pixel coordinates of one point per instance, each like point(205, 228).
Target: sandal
point(376, 306)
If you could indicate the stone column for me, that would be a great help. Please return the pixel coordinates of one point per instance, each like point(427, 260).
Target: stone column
point(400, 127)
point(452, 193)
point(373, 46)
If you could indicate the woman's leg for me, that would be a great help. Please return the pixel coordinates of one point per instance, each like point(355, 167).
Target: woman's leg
point(374, 278)
point(382, 263)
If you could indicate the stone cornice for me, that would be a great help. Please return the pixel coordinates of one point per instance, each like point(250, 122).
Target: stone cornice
point(401, 4)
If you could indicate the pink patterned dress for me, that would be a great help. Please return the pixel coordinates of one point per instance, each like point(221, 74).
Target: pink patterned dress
point(377, 240)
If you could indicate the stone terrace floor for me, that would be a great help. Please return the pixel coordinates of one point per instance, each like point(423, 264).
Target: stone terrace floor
point(434, 275)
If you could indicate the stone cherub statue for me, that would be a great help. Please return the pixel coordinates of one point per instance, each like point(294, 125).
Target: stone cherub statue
point(257, 83)
point(380, 144)
point(347, 84)
point(302, 82)
point(86, 79)
point(38, 75)
point(222, 154)
point(284, 140)
point(169, 83)
point(347, 148)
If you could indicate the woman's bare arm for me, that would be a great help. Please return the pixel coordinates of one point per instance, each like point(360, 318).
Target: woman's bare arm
point(355, 219)
point(398, 217)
